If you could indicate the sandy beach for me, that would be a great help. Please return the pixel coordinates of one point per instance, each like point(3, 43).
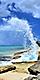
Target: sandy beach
point(20, 73)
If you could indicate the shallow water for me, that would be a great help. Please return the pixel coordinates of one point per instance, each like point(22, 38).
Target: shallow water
point(7, 50)
point(26, 56)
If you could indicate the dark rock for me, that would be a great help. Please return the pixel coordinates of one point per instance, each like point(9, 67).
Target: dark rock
point(21, 52)
point(32, 72)
point(5, 58)
point(38, 42)
point(31, 78)
point(16, 57)
point(39, 57)
point(6, 69)
point(35, 69)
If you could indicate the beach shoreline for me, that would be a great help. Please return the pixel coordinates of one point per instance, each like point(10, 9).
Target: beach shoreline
point(19, 73)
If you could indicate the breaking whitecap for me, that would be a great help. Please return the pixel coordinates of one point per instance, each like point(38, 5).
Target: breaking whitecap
point(30, 55)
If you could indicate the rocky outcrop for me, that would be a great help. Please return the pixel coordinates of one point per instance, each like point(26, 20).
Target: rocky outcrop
point(38, 42)
point(35, 69)
point(16, 57)
point(39, 53)
point(31, 78)
point(6, 69)
point(5, 58)
point(38, 57)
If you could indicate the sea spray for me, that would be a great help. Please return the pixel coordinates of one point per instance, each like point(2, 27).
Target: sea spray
point(23, 25)
point(33, 53)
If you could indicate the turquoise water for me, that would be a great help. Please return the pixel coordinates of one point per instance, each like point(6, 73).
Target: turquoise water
point(7, 50)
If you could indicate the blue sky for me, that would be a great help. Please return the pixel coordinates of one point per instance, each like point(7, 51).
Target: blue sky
point(15, 17)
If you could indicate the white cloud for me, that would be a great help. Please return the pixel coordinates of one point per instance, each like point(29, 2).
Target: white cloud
point(3, 11)
point(15, 24)
point(19, 25)
point(32, 6)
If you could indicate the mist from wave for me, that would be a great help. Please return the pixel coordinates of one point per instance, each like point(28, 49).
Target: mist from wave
point(23, 25)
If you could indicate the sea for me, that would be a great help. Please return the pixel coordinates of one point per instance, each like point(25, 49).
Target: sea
point(9, 49)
